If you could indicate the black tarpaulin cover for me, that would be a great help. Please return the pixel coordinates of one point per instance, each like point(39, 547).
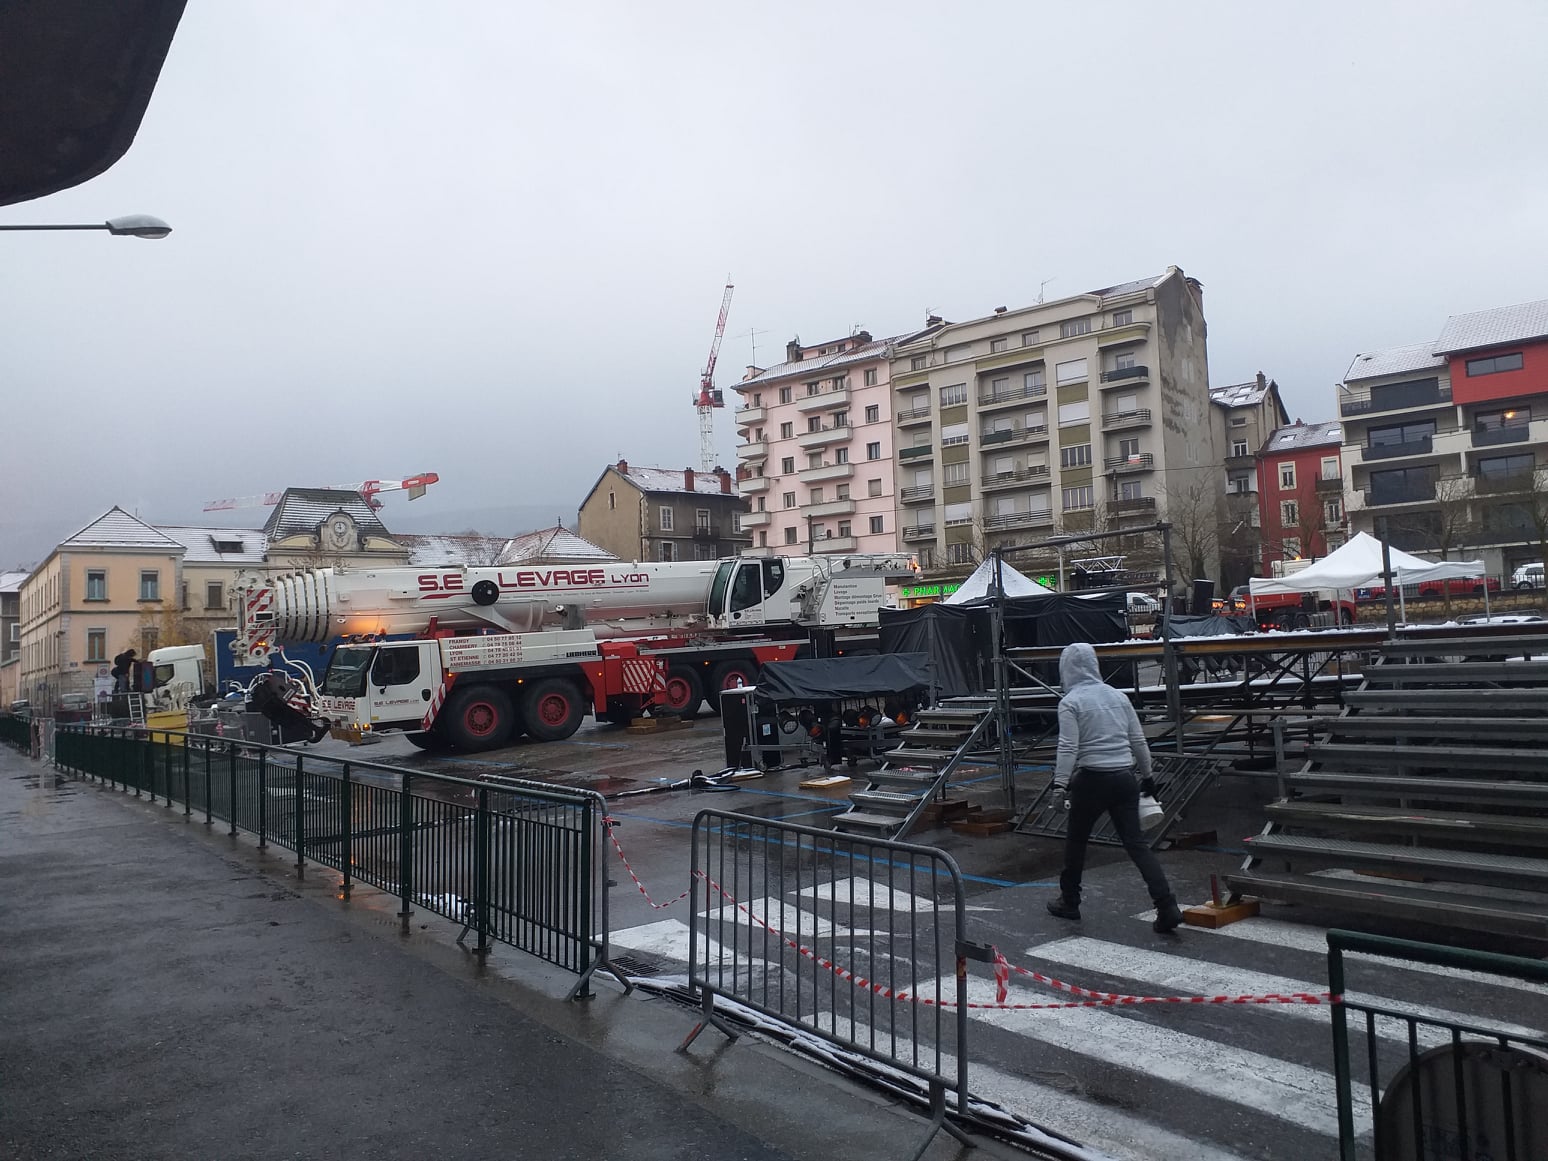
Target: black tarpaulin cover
point(832, 678)
point(949, 635)
point(1211, 625)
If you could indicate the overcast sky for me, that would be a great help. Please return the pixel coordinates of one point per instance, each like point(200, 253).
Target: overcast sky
point(489, 240)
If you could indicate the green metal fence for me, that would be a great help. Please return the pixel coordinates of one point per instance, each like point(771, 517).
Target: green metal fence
point(517, 863)
point(1428, 1088)
point(14, 731)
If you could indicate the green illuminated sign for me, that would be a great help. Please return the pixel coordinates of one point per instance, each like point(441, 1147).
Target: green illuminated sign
point(915, 592)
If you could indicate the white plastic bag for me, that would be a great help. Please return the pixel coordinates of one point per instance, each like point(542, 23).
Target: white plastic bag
point(1150, 812)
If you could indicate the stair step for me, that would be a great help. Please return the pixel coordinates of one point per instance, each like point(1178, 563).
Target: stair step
point(1398, 900)
point(886, 800)
point(1467, 866)
point(1459, 672)
point(894, 777)
point(971, 716)
point(1447, 702)
point(863, 820)
point(918, 754)
point(1509, 827)
point(1391, 726)
point(1438, 757)
point(1425, 788)
point(1514, 645)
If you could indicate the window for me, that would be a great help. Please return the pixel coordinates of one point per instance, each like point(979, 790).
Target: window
point(1330, 467)
point(818, 532)
point(789, 499)
point(150, 585)
point(1333, 511)
point(96, 644)
point(841, 492)
point(815, 497)
point(959, 554)
point(1077, 498)
point(841, 419)
point(1128, 448)
point(870, 377)
point(957, 354)
point(790, 536)
point(666, 521)
point(1033, 380)
point(1239, 484)
point(959, 513)
point(787, 465)
point(1238, 421)
point(1078, 412)
point(1003, 466)
point(1029, 338)
point(953, 395)
point(840, 383)
point(786, 394)
point(1122, 318)
point(612, 501)
point(1075, 326)
point(999, 388)
point(954, 474)
point(1494, 365)
point(701, 519)
point(786, 430)
point(1287, 477)
point(813, 423)
point(1505, 467)
point(1078, 456)
point(1130, 490)
point(998, 345)
point(873, 451)
point(1398, 434)
point(917, 363)
point(814, 460)
point(96, 585)
point(150, 638)
point(878, 524)
point(1238, 447)
point(873, 413)
point(1513, 417)
point(1073, 371)
point(667, 551)
point(758, 436)
point(813, 388)
point(1289, 513)
point(761, 507)
point(873, 488)
point(763, 538)
point(1291, 547)
point(954, 433)
point(395, 667)
point(214, 595)
point(845, 528)
point(841, 455)
point(1123, 361)
point(702, 551)
point(757, 399)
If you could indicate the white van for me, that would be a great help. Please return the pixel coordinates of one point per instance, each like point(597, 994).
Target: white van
point(1528, 576)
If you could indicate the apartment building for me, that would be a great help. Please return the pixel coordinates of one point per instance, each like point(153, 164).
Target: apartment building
point(1092, 410)
point(1245, 416)
point(1446, 442)
point(1301, 501)
point(663, 514)
point(10, 636)
point(815, 460)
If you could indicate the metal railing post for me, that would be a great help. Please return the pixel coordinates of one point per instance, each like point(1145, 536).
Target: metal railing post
point(140, 752)
point(346, 827)
point(187, 792)
point(231, 804)
point(298, 809)
point(209, 780)
point(406, 850)
point(263, 799)
point(1341, 1076)
point(481, 872)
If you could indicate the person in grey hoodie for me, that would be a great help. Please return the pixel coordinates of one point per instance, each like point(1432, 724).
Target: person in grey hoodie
point(1100, 764)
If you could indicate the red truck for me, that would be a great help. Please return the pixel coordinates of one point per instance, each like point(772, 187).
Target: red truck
point(1293, 610)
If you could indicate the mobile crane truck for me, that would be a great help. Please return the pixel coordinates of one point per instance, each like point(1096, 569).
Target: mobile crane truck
point(498, 652)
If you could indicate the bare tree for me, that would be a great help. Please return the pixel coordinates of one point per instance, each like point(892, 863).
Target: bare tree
point(1195, 510)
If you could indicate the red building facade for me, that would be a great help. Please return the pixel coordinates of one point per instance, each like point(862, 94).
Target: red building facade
point(1301, 492)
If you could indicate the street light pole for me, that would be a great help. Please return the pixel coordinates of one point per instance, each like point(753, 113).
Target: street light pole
point(130, 226)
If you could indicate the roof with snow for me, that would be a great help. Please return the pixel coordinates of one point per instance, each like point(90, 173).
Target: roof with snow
point(1300, 435)
point(670, 480)
point(1248, 394)
point(818, 364)
point(219, 545)
point(432, 550)
point(301, 510)
point(1492, 328)
point(1394, 361)
point(1134, 287)
point(11, 582)
point(556, 545)
point(117, 529)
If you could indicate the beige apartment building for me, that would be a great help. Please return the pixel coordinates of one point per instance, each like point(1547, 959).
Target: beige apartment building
point(638, 513)
point(1089, 411)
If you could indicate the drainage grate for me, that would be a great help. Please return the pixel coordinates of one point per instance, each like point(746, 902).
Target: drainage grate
point(634, 966)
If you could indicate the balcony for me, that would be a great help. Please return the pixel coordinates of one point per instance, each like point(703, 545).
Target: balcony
point(1143, 462)
point(824, 401)
point(843, 471)
point(749, 520)
point(912, 416)
point(836, 544)
point(1128, 507)
point(1037, 474)
point(747, 415)
point(1017, 520)
point(1381, 497)
point(917, 455)
point(1329, 484)
point(1522, 482)
point(830, 508)
point(916, 494)
point(1008, 437)
point(1004, 398)
point(918, 532)
point(1494, 436)
point(1125, 419)
point(757, 449)
point(1397, 397)
point(752, 484)
point(710, 532)
point(1126, 374)
point(816, 439)
point(1422, 446)
point(1129, 332)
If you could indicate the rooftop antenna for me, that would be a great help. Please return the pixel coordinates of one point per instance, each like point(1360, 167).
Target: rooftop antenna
point(751, 335)
point(1040, 287)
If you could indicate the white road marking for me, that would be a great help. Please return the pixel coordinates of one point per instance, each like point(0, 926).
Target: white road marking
point(876, 896)
point(800, 925)
point(1174, 975)
point(669, 938)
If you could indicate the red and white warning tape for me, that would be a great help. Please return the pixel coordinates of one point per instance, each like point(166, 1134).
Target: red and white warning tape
point(607, 825)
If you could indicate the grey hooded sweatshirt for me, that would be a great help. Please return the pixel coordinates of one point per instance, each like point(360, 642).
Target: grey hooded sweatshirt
point(1097, 725)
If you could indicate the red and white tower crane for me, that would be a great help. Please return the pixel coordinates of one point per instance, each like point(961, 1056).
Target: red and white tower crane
point(414, 485)
point(709, 397)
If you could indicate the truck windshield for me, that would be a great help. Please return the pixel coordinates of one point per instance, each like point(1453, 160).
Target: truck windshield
point(162, 674)
point(346, 676)
point(717, 600)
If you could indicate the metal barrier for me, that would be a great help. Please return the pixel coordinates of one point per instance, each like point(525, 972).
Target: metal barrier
point(517, 863)
point(883, 974)
point(1448, 1089)
point(15, 731)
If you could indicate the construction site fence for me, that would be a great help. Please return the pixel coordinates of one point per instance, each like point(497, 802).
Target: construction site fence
point(858, 941)
point(1413, 1086)
point(516, 863)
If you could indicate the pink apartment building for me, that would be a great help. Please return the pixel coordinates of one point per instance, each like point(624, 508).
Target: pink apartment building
point(815, 457)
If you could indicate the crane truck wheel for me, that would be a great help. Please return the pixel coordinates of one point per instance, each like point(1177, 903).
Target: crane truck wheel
point(553, 709)
point(684, 692)
point(426, 740)
point(479, 718)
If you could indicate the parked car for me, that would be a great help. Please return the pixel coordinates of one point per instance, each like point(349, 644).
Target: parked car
point(1462, 587)
point(1142, 605)
point(75, 707)
point(1528, 576)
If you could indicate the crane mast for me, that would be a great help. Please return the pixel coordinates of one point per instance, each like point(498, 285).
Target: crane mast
point(708, 397)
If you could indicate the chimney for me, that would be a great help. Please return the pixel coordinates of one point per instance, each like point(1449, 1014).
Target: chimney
point(725, 480)
point(623, 467)
point(793, 350)
point(933, 320)
point(1262, 382)
point(687, 479)
point(862, 337)
point(999, 310)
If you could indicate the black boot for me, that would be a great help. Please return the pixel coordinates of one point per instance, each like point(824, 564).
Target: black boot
point(1168, 916)
point(1064, 907)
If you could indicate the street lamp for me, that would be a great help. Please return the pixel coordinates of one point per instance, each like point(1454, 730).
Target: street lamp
point(129, 226)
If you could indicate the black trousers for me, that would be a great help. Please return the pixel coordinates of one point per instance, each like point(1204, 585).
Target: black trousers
point(1115, 793)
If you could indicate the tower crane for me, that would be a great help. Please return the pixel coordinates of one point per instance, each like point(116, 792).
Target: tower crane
point(414, 485)
point(709, 397)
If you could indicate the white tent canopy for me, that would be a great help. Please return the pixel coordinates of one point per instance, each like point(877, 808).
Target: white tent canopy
point(977, 586)
point(1358, 563)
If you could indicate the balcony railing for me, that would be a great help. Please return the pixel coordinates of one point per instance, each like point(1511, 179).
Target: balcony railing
point(1522, 482)
point(1422, 446)
point(1397, 397)
point(1376, 497)
point(916, 453)
point(710, 533)
point(1142, 462)
point(1017, 520)
point(1006, 479)
point(753, 450)
point(1493, 436)
point(1013, 435)
point(1330, 483)
point(1121, 374)
point(1121, 505)
point(996, 398)
point(825, 435)
point(1137, 418)
point(823, 400)
point(841, 471)
point(919, 532)
point(913, 415)
point(915, 494)
point(753, 484)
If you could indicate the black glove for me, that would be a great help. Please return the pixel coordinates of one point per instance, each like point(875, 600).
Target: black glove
point(1148, 786)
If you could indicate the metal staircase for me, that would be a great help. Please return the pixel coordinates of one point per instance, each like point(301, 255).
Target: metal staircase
point(918, 770)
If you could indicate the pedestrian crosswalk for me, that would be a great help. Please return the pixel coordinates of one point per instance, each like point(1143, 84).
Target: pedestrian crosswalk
point(1217, 1082)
